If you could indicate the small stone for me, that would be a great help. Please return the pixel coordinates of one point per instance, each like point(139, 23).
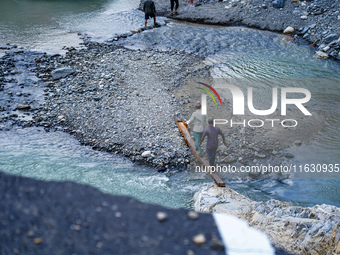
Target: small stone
point(325, 49)
point(146, 154)
point(321, 54)
point(298, 142)
point(37, 240)
point(190, 252)
point(288, 30)
point(304, 17)
point(329, 38)
point(61, 72)
point(199, 239)
point(289, 155)
point(99, 245)
point(118, 214)
point(260, 155)
point(23, 107)
point(193, 215)
point(162, 216)
point(77, 228)
point(30, 233)
point(254, 148)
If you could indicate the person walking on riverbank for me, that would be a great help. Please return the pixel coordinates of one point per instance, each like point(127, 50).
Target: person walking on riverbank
point(150, 11)
point(199, 121)
point(172, 2)
point(212, 133)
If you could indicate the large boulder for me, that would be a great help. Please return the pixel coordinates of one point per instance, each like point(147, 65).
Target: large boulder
point(61, 72)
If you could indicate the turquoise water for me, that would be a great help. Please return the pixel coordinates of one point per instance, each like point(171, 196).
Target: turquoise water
point(238, 53)
point(50, 25)
point(32, 152)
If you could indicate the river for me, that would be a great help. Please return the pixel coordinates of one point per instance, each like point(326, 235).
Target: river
point(236, 52)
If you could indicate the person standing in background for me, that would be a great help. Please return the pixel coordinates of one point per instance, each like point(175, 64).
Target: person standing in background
point(172, 2)
point(198, 121)
point(150, 11)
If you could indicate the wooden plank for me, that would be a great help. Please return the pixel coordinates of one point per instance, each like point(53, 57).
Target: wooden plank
point(183, 129)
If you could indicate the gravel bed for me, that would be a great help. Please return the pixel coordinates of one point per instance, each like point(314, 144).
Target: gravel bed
point(120, 100)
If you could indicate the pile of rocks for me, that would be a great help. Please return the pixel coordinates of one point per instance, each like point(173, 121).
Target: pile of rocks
point(300, 230)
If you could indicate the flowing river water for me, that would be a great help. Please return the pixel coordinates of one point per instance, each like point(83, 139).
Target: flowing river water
point(263, 58)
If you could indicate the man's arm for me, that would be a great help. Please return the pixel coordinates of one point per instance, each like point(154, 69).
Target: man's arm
point(221, 133)
point(223, 139)
point(202, 138)
point(191, 118)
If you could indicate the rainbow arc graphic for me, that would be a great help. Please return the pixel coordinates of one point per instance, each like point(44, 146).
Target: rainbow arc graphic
point(209, 93)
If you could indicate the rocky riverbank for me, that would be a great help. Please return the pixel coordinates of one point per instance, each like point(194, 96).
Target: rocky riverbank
point(109, 97)
point(299, 230)
point(316, 21)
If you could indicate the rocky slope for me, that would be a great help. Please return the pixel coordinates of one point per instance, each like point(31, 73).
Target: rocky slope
point(300, 230)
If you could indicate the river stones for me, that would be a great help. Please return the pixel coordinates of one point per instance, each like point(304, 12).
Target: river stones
point(289, 30)
point(199, 239)
point(146, 154)
point(61, 72)
point(294, 228)
point(162, 216)
point(321, 54)
point(23, 107)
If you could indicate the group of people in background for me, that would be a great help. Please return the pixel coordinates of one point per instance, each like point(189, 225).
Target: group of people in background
point(150, 10)
point(211, 132)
